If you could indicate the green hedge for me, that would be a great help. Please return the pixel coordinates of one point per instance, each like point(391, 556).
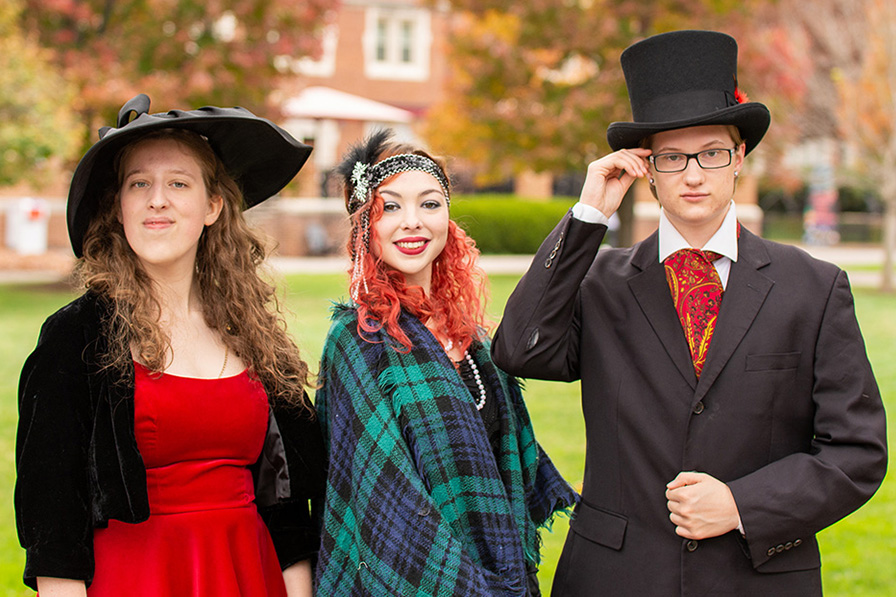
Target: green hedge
point(503, 225)
point(853, 227)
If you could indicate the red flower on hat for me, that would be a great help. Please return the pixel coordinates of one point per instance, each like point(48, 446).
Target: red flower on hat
point(740, 96)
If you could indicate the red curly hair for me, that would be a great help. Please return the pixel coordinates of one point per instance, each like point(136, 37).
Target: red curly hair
point(455, 306)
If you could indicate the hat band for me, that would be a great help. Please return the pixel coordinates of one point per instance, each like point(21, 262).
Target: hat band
point(684, 105)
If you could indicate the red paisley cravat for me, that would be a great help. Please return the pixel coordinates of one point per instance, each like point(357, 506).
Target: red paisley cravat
point(697, 294)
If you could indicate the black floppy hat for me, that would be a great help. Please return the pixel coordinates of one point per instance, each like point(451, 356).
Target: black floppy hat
point(262, 157)
point(682, 79)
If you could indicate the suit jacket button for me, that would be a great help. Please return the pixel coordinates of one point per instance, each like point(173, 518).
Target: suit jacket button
point(788, 545)
point(770, 552)
point(698, 408)
point(691, 545)
point(797, 542)
point(533, 339)
point(779, 549)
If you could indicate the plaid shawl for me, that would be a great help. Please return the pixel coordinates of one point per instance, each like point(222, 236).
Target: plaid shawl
point(416, 503)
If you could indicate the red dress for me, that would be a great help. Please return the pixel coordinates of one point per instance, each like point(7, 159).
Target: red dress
point(204, 536)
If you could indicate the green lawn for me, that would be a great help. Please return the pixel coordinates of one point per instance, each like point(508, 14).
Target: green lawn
point(857, 552)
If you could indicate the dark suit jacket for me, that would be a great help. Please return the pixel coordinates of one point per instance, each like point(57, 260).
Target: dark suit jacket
point(786, 412)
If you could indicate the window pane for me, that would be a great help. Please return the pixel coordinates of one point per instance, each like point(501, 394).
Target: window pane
point(382, 33)
point(407, 41)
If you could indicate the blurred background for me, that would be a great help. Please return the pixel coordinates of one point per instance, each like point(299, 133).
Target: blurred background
point(517, 96)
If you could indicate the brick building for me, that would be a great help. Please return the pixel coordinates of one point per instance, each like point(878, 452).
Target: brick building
point(383, 64)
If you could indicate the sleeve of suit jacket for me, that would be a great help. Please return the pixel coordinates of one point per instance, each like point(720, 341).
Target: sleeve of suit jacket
point(792, 498)
point(538, 335)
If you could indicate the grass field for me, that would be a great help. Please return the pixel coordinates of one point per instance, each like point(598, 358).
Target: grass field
point(857, 552)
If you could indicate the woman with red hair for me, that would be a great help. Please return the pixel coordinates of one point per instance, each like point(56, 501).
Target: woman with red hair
point(436, 483)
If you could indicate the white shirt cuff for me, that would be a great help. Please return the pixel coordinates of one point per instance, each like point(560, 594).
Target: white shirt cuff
point(591, 215)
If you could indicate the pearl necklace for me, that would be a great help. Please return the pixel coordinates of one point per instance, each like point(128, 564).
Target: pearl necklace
point(482, 395)
point(481, 402)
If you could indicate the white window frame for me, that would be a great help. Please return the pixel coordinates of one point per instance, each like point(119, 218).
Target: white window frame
point(392, 67)
point(325, 66)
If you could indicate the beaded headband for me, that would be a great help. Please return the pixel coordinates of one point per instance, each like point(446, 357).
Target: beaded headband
point(366, 178)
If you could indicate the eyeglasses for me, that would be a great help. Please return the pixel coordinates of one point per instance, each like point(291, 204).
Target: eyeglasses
point(708, 159)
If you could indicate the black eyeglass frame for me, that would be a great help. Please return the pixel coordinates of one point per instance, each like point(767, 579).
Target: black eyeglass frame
point(689, 156)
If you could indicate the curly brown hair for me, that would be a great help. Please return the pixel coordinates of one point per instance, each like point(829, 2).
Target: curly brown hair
point(236, 302)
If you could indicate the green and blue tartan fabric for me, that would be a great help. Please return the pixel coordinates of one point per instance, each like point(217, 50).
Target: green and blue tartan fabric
point(417, 502)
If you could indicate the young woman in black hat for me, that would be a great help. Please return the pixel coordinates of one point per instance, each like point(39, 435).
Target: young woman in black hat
point(165, 444)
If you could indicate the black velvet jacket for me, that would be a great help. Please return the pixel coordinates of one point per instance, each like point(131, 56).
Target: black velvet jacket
point(78, 465)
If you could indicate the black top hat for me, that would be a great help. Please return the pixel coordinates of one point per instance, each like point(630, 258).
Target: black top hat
point(682, 79)
point(258, 154)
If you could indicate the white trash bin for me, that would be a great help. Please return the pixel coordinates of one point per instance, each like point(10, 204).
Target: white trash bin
point(27, 220)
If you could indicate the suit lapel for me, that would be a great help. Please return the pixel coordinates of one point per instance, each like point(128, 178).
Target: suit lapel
point(744, 295)
point(652, 293)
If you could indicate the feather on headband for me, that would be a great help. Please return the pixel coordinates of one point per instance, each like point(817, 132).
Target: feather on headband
point(363, 176)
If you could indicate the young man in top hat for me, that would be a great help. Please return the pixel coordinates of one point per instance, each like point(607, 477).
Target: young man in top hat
point(730, 409)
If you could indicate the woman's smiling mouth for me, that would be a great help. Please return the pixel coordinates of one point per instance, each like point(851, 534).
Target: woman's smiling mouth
point(412, 246)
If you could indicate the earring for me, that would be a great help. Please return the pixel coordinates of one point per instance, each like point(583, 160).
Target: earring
point(650, 180)
point(735, 174)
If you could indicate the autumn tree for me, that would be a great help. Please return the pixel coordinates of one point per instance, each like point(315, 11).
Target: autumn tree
point(35, 120)
point(867, 111)
point(181, 53)
point(849, 106)
point(535, 84)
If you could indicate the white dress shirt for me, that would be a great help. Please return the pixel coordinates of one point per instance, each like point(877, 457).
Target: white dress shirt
point(723, 242)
